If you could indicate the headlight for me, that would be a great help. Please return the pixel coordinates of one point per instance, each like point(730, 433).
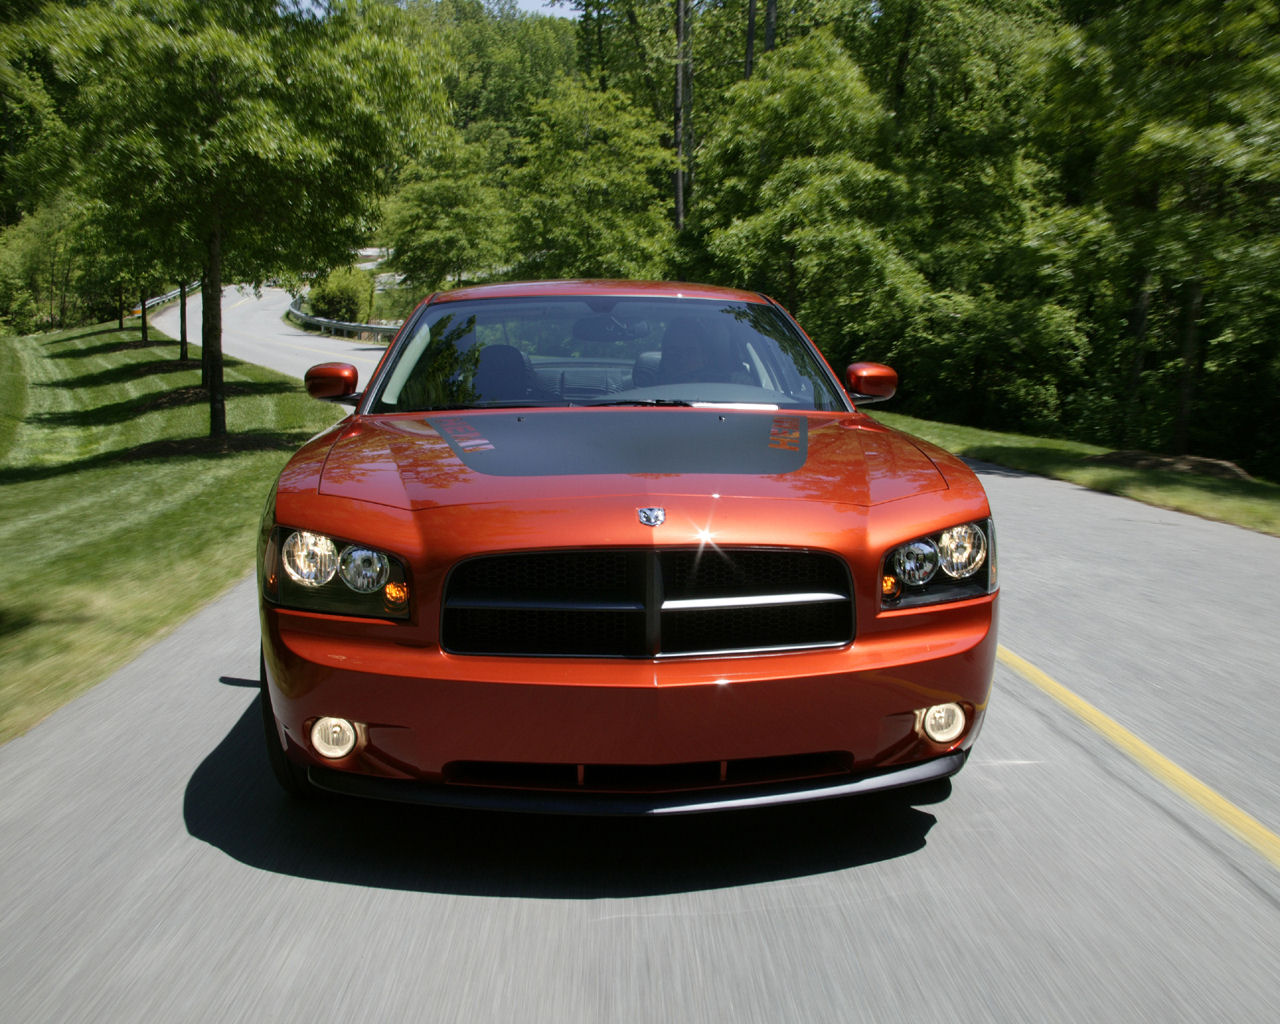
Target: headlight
point(364, 570)
point(962, 550)
point(915, 563)
point(310, 559)
point(965, 554)
point(314, 572)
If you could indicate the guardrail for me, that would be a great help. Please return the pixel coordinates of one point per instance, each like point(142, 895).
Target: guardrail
point(380, 332)
point(160, 300)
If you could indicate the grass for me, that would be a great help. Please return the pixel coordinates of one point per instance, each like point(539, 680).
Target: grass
point(118, 517)
point(1252, 504)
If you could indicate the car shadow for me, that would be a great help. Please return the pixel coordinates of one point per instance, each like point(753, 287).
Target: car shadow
point(233, 803)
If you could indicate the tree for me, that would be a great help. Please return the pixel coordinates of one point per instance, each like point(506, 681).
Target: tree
point(591, 183)
point(795, 197)
point(1162, 128)
point(451, 217)
point(503, 60)
point(448, 221)
point(245, 137)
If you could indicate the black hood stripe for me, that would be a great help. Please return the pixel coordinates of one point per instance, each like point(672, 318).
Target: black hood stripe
point(627, 441)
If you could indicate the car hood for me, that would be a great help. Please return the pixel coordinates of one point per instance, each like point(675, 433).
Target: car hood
point(448, 459)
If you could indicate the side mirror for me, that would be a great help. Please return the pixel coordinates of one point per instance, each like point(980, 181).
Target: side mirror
point(871, 382)
point(333, 382)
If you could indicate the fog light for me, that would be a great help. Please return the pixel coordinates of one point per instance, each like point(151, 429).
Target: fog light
point(943, 723)
point(333, 737)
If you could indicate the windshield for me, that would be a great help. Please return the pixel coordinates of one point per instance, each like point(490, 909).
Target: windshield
point(601, 350)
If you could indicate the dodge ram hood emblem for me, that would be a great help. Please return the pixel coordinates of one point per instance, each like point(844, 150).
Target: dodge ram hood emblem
point(652, 516)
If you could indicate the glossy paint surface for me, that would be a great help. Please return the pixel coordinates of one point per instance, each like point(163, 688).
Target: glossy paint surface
point(436, 488)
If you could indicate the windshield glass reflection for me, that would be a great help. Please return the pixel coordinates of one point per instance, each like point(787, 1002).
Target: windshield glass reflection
point(600, 350)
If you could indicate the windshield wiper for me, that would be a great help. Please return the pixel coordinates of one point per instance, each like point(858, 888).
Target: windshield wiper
point(467, 406)
point(642, 401)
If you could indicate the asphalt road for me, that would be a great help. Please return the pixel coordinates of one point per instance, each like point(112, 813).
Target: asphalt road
point(254, 330)
point(150, 871)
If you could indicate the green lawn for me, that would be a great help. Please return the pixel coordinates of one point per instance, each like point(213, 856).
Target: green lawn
point(1253, 504)
point(117, 517)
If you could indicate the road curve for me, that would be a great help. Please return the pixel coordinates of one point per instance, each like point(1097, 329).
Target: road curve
point(254, 329)
point(149, 869)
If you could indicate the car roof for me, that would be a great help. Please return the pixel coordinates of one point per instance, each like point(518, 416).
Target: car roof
point(646, 289)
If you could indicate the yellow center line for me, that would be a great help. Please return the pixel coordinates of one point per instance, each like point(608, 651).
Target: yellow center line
point(1221, 810)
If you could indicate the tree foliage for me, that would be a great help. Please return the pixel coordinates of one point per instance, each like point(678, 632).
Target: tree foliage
point(591, 188)
point(234, 139)
point(796, 195)
point(446, 223)
point(1055, 216)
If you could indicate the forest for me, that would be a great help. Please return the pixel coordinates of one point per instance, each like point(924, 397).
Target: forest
point(1056, 217)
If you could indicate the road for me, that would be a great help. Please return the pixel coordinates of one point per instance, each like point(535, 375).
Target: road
point(149, 869)
point(254, 330)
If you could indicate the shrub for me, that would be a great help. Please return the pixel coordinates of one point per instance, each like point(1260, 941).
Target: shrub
point(340, 295)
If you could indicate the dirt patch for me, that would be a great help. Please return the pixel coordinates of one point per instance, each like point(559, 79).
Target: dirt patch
point(1219, 468)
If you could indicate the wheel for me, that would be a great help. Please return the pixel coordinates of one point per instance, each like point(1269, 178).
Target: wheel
point(292, 777)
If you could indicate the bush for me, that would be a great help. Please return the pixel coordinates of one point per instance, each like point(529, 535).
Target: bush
point(340, 296)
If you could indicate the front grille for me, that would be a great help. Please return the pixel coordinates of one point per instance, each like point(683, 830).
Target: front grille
point(647, 603)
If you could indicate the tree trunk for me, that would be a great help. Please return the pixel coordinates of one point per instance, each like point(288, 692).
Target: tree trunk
point(143, 325)
point(211, 336)
point(66, 285)
point(679, 112)
point(751, 38)
point(1138, 317)
point(770, 24)
point(599, 26)
point(182, 322)
point(120, 310)
point(1191, 369)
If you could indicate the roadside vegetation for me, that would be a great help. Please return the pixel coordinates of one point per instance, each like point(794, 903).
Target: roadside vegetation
point(1057, 218)
point(1196, 488)
point(118, 516)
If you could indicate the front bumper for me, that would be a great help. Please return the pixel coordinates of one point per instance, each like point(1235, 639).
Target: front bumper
point(431, 722)
point(629, 804)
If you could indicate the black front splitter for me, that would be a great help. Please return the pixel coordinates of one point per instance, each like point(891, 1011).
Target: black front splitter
point(629, 804)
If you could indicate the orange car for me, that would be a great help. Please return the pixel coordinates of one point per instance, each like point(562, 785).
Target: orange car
point(621, 548)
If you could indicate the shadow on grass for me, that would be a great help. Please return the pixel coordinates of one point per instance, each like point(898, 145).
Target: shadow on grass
point(16, 621)
point(184, 448)
point(984, 468)
point(1025, 459)
point(122, 374)
point(106, 348)
point(89, 332)
point(233, 803)
point(132, 408)
point(1110, 477)
point(13, 621)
